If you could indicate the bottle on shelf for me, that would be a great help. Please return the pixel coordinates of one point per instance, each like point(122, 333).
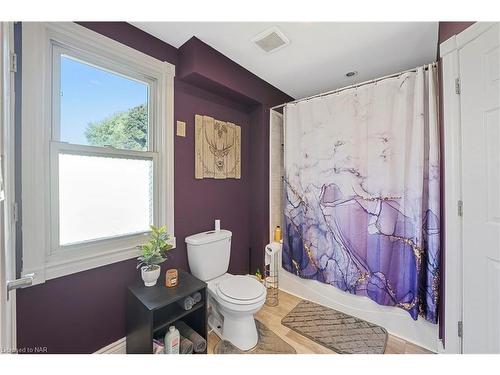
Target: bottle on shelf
point(277, 234)
point(172, 341)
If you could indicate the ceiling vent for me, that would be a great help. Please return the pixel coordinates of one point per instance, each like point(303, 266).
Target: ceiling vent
point(271, 40)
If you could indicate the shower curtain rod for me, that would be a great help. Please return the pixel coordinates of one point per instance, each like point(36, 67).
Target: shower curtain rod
point(433, 65)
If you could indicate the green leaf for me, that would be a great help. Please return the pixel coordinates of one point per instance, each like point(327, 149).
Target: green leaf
point(127, 129)
point(154, 251)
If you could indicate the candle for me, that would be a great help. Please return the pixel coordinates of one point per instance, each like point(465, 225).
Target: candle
point(171, 278)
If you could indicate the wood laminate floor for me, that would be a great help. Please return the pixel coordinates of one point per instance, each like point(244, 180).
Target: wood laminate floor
point(271, 317)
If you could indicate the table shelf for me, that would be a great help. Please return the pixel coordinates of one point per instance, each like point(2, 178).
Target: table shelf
point(151, 310)
point(177, 316)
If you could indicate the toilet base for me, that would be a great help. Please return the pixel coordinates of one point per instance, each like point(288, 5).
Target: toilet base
point(240, 331)
point(234, 326)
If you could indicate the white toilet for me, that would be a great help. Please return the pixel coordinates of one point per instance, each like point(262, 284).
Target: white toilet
point(233, 299)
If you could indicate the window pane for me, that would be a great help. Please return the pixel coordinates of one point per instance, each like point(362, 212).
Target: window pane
point(101, 197)
point(102, 108)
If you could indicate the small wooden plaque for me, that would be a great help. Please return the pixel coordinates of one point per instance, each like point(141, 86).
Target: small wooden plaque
point(217, 148)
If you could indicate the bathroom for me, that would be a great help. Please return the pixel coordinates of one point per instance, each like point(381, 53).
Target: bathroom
point(236, 240)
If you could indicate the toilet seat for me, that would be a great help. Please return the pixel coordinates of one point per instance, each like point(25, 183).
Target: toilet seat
point(241, 290)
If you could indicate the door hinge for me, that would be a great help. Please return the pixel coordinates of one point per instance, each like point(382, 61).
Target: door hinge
point(457, 86)
point(460, 329)
point(13, 62)
point(460, 208)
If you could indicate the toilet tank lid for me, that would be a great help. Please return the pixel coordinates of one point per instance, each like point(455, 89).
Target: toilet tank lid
point(207, 237)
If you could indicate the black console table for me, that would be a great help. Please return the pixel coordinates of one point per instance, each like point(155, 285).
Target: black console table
point(151, 310)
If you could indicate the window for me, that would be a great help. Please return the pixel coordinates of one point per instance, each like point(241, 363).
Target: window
point(103, 157)
point(98, 107)
point(103, 196)
point(98, 171)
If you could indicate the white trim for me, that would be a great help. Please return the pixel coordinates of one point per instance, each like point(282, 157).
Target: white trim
point(453, 250)
point(8, 338)
point(459, 40)
point(472, 32)
point(166, 136)
point(448, 46)
point(271, 229)
point(69, 32)
point(35, 155)
point(452, 185)
point(38, 39)
point(117, 347)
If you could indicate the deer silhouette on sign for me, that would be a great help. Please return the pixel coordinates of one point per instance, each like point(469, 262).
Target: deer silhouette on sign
point(217, 148)
point(220, 144)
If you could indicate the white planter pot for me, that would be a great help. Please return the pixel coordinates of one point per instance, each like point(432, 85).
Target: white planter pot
point(150, 277)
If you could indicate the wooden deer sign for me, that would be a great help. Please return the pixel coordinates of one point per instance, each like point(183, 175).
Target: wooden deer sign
point(217, 149)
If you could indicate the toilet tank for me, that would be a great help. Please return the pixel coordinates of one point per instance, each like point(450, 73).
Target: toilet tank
point(208, 253)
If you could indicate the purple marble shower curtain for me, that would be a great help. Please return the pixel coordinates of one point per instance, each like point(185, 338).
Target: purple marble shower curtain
point(362, 191)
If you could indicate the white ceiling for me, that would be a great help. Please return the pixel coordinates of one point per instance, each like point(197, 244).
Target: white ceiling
point(319, 53)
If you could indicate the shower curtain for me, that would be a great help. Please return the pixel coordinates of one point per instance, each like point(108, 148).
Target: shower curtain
point(361, 191)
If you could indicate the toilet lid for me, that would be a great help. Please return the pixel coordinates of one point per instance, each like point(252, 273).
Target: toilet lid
point(241, 288)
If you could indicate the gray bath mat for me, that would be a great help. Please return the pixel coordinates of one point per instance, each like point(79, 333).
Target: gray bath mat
point(339, 332)
point(269, 343)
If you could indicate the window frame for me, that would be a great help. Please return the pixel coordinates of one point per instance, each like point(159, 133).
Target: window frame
point(104, 64)
point(58, 146)
point(41, 146)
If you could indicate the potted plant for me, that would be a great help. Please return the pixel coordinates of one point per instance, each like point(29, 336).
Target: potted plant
point(153, 253)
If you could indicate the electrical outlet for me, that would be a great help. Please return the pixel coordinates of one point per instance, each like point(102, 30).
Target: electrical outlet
point(181, 129)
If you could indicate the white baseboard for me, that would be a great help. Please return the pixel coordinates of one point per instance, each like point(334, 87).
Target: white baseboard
point(393, 319)
point(117, 347)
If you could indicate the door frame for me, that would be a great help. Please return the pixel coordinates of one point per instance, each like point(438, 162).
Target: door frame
point(453, 230)
point(7, 231)
point(271, 111)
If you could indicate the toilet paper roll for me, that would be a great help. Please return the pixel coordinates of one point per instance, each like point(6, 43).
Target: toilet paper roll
point(272, 258)
point(272, 248)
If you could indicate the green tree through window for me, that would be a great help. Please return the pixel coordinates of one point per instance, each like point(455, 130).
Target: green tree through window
point(126, 130)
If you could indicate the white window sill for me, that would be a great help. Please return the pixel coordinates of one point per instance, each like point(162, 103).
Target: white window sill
point(63, 265)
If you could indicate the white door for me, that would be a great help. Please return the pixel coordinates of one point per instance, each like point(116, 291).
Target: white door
point(7, 334)
point(480, 118)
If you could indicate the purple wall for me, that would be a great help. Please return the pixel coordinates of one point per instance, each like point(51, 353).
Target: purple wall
point(199, 202)
point(223, 75)
point(205, 67)
point(259, 171)
point(83, 312)
point(133, 37)
point(75, 314)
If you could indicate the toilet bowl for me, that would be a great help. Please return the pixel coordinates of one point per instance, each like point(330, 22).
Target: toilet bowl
point(237, 298)
point(233, 299)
